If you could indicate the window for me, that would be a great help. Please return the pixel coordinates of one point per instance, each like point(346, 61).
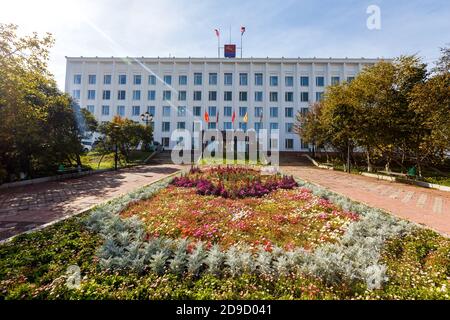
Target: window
point(181, 112)
point(122, 79)
point(181, 125)
point(273, 81)
point(227, 125)
point(243, 79)
point(243, 96)
point(303, 144)
point(197, 96)
point(335, 80)
point(166, 140)
point(258, 79)
point(197, 111)
point(105, 110)
point(92, 79)
point(212, 95)
point(107, 79)
point(258, 112)
point(136, 111)
point(273, 126)
point(289, 127)
point(106, 94)
point(197, 79)
point(304, 111)
point(136, 94)
point(273, 112)
point(227, 111)
point(212, 111)
point(166, 127)
point(319, 96)
point(350, 79)
point(151, 110)
point(77, 79)
point(243, 126)
point(121, 94)
point(181, 95)
point(258, 126)
point(151, 95)
point(304, 96)
point(137, 79)
point(182, 80)
point(121, 111)
point(76, 94)
point(228, 96)
point(213, 79)
point(166, 111)
point(152, 80)
point(167, 95)
point(320, 81)
point(258, 96)
point(168, 79)
point(228, 79)
point(273, 96)
point(289, 96)
point(304, 81)
point(90, 108)
point(242, 111)
point(289, 81)
point(212, 125)
point(91, 94)
point(289, 143)
point(289, 112)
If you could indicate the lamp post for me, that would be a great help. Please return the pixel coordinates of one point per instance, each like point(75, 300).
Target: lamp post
point(147, 118)
point(116, 157)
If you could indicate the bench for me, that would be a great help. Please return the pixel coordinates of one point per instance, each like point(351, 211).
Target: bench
point(397, 174)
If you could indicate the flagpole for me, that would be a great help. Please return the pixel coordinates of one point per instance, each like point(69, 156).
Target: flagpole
point(218, 45)
point(241, 44)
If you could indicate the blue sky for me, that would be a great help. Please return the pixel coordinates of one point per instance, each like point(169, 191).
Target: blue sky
point(301, 28)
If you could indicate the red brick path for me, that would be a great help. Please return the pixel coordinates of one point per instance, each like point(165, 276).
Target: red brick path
point(421, 205)
point(25, 208)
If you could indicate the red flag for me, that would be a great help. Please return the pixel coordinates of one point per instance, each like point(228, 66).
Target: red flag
point(233, 116)
point(242, 30)
point(206, 116)
point(217, 33)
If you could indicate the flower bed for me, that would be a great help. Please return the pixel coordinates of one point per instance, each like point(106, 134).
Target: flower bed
point(376, 256)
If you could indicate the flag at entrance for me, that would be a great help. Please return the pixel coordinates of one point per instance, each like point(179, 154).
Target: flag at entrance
point(206, 116)
point(246, 117)
point(233, 117)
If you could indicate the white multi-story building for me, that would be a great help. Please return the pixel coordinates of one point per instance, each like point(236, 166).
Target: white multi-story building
point(178, 91)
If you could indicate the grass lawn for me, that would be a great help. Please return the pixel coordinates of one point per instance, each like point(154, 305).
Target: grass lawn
point(92, 158)
point(229, 233)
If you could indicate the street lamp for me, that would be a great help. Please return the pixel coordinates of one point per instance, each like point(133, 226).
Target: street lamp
point(116, 156)
point(147, 118)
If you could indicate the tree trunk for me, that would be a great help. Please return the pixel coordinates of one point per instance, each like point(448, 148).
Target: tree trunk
point(369, 164)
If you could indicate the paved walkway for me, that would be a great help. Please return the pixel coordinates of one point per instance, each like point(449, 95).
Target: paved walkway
point(25, 208)
point(421, 205)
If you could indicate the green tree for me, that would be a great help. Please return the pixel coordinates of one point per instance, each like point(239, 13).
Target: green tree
point(125, 134)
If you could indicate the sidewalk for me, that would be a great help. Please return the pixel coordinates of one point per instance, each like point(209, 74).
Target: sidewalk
point(25, 208)
point(421, 205)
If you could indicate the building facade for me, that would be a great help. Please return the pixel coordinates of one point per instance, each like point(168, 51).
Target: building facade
point(262, 93)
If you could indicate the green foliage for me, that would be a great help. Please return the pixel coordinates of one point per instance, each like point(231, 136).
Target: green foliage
point(125, 134)
point(392, 110)
point(38, 127)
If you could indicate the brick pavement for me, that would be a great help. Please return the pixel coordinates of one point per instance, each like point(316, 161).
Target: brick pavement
point(27, 207)
point(424, 206)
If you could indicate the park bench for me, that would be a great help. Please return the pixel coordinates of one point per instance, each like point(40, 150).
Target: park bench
point(396, 174)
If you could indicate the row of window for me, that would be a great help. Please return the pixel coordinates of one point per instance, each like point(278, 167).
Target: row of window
point(228, 125)
point(197, 95)
point(212, 79)
point(197, 111)
point(288, 143)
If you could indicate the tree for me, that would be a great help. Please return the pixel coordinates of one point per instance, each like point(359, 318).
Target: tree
point(125, 134)
point(39, 129)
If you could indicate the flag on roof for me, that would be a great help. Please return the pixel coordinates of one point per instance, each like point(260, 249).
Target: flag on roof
point(217, 32)
point(242, 30)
